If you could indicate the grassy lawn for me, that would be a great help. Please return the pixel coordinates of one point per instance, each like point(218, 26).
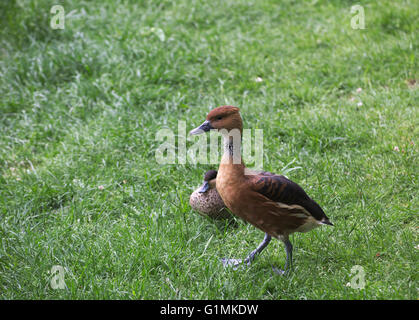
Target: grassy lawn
point(80, 108)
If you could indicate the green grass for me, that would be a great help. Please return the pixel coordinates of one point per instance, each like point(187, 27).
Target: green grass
point(80, 108)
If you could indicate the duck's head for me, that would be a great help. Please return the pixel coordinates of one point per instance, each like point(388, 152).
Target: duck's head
point(224, 117)
point(209, 176)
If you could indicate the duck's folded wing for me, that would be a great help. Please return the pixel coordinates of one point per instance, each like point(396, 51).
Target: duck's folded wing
point(288, 195)
point(276, 218)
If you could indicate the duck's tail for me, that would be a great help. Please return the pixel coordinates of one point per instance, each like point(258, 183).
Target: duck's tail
point(317, 212)
point(326, 221)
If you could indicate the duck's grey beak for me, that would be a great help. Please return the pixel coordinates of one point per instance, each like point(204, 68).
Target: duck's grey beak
point(204, 188)
point(206, 126)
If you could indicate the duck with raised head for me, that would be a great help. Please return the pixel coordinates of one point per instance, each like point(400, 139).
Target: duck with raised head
point(270, 202)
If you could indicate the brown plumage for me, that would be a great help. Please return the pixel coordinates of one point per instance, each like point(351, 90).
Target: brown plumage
point(270, 202)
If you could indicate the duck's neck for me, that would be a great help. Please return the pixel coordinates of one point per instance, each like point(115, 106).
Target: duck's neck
point(232, 160)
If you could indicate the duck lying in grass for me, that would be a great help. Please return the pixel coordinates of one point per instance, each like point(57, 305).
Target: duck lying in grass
point(206, 199)
point(272, 203)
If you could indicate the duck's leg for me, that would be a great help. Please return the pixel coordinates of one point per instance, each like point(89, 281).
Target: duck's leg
point(259, 249)
point(288, 263)
point(251, 256)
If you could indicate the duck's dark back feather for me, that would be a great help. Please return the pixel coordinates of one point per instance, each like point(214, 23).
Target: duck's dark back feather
point(280, 189)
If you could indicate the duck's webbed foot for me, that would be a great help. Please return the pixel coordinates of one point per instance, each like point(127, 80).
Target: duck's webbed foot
point(235, 263)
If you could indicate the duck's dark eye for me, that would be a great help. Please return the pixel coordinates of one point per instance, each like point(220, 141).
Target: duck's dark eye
point(219, 118)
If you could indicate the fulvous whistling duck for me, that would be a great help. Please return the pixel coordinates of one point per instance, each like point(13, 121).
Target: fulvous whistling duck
point(206, 199)
point(270, 202)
